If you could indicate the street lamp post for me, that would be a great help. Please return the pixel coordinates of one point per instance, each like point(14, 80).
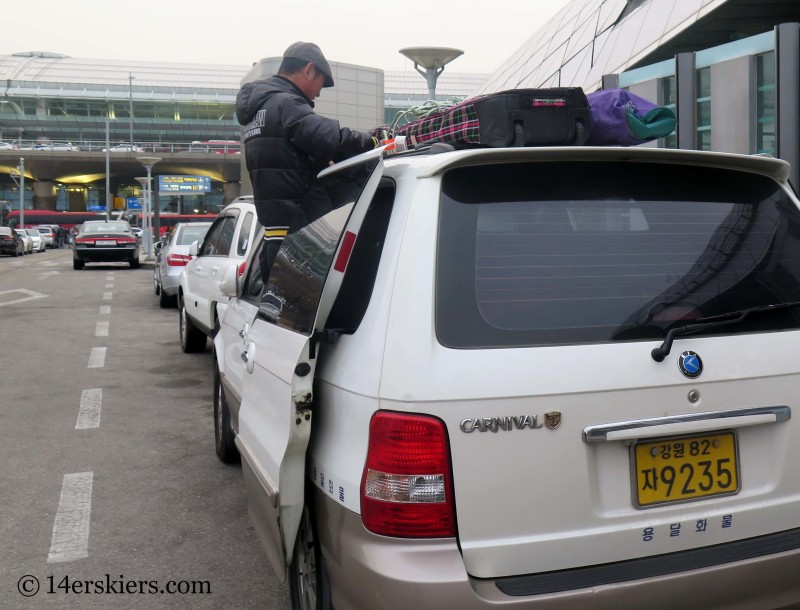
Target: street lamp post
point(130, 106)
point(20, 171)
point(108, 173)
point(145, 216)
point(148, 163)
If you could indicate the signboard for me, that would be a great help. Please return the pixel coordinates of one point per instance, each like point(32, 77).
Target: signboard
point(184, 184)
point(96, 208)
point(133, 203)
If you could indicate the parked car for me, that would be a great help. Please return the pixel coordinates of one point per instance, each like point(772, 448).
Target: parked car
point(226, 245)
point(49, 234)
point(124, 148)
point(525, 378)
point(6, 146)
point(27, 241)
point(138, 232)
point(99, 241)
point(38, 240)
point(55, 146)
point(10, 242)
point(172, 256)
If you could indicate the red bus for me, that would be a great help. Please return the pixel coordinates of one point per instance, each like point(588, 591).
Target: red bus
point(52, 217)
point(167, 220)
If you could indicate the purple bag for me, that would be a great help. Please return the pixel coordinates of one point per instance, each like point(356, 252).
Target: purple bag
point(624, 119)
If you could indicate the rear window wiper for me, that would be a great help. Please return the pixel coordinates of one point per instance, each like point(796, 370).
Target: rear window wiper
point(701, 324)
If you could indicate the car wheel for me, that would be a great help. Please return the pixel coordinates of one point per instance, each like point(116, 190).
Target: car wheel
point(224, 443)
point(192, 339)
point(77, 263)
point(134, 263)
point(156, 285)
point(164, 300)
point(16, 252)
point(307, 586)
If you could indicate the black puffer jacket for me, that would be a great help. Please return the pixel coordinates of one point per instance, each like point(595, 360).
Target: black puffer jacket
point(286, 145)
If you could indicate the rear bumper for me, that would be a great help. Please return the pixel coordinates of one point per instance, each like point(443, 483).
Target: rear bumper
point(106, 255)
point(171, 281)
point(369, 571)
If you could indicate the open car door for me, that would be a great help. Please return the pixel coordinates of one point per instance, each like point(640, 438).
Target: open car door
point(279, 353)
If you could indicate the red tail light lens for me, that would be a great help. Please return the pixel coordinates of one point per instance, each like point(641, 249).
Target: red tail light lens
point(178, 260)
point(242, 268)
point(85, 240)
point(407, 488)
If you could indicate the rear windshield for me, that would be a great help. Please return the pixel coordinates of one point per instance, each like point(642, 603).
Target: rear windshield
point(188, 235)
point(106, 227)
point(564, 253)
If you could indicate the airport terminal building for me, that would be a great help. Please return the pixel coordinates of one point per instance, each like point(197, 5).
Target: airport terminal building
point(729, 68)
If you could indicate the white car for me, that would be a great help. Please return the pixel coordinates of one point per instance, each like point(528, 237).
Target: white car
point(524, 378)
point(226, 245)
point(124, 148)
point(39, 244)
point(172, 256)
point(55, 147)
point(6, 146)
point(26, 239)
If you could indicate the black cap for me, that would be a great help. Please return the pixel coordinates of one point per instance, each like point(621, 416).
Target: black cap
point(308, 51)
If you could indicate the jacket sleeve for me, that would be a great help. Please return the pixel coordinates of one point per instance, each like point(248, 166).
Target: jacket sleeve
point(322, 138)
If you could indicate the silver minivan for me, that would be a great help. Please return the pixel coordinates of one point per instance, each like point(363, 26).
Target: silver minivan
point(525, 378)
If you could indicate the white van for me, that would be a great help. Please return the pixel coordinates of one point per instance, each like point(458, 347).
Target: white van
point(528, 378)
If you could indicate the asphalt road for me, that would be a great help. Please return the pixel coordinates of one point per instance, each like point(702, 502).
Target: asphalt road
point(108, 478)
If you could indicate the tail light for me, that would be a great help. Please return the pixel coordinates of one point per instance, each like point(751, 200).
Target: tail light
point(407, 488)
point(242, 268)
point(125, 240)
point(178, 260)
point(84, 240)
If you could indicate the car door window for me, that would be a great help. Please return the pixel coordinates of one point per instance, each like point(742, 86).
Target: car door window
point(212, 238)
point(220, 236)
point(298, 275)
point(244, 234)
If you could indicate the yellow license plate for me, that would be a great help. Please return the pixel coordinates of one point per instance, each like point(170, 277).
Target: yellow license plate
point(685, 468)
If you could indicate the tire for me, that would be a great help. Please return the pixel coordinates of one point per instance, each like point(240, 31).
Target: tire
point(134, 263)
point(193, 340)
point(156, 285)
point(308, 588)
point(164, 300)
point(15, 251)
point(224, 443)
point(77, 264)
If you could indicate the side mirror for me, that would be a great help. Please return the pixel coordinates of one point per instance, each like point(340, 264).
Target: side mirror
point(157, 246)
point(229, 284)
point(193, 248)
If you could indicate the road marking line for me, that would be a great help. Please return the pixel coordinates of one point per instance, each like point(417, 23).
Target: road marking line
point(71, 527)
point(107, 296)
point(89, 413)
point(97, 359)
point(109, 285)
point(101, 330)
point(105, 310)
point(32, 295)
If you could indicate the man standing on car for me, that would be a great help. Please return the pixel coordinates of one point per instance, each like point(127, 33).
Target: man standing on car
point(287, 144)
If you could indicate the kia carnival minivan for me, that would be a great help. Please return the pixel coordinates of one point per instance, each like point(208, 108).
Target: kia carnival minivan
point(525, 378)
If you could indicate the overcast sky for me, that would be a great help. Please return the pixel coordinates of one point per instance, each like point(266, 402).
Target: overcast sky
point(365, 32)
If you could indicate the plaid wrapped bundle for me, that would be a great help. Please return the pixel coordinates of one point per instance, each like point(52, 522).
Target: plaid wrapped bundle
point(455, 125)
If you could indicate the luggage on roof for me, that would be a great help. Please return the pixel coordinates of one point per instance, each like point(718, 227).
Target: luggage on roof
point(519, 117)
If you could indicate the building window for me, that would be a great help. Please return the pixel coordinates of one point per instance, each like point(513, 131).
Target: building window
point(669, 100)
point(765, 103)
point(703, 109)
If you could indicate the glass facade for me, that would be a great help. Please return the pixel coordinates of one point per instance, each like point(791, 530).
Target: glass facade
point(703, 84)
point(669, 99)
point(765, 103)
